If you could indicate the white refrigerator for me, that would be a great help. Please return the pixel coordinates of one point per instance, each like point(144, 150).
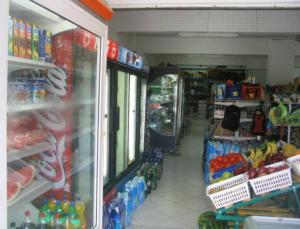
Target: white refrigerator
point(52, 125)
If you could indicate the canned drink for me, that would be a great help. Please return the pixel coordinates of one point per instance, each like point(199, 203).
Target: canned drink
point(22, 91)
point(39, 91)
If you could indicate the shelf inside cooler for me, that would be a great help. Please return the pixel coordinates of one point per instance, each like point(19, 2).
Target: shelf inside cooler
point(34, 190)
point(13, 155)
point(17, 63)
point(27, 107)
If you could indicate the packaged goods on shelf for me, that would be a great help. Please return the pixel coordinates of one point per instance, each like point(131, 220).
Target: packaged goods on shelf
point(22, 39)
point(28, 41)
point(27, 86)
point(16, 37)
point(10, 36)
point(28, 35)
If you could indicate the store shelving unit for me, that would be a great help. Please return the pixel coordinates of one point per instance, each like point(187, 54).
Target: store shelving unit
point(247, 110)
point(34, 190)
point(13, 155)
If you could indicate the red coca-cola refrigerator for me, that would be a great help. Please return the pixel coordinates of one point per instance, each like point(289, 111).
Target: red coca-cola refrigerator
point(52, 130)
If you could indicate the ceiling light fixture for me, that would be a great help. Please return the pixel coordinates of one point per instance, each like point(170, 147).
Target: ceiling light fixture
point(204, 34)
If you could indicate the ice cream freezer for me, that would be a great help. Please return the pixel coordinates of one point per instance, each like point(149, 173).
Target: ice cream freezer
point(52, 120)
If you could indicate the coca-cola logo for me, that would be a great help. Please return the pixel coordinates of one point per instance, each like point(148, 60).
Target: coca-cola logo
point(53, 121)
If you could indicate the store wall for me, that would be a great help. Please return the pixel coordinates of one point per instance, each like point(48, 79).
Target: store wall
point(280, 53)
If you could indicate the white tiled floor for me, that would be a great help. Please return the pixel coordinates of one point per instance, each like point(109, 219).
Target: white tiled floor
point(180, 196)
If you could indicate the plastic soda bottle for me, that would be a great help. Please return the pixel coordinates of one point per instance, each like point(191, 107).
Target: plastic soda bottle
point(65, 204)
point(58, 207)
point(80, 208)
point(28, 224)
point(45, 209)
point(52, 204)
point(68, 223)
point(75, 221)
point(59, 221)
point(43, 224)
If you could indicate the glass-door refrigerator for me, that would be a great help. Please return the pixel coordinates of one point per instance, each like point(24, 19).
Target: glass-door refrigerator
point(55, 114)
point(164, 108)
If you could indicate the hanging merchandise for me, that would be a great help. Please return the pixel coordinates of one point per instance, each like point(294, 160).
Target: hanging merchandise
point(220, 91)
point(278, 114)
point(293, 118)
point(259, 122)
point(231, 119)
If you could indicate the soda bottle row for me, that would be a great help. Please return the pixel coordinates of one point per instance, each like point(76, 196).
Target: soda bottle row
point(57, 214)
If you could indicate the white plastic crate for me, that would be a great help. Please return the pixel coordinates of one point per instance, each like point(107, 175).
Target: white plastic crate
point(229, 191)
point(294, 162)
point(272, 182)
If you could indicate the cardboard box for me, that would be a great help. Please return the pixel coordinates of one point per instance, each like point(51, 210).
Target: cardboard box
point(16, 37)
point(22, 39)
point(28, 41)
point(48, 47)
point(42, 44)
point(10, 36)
point(35, 43)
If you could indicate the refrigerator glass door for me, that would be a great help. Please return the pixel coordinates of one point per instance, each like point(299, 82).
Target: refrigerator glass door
point(126, 131)
point(143, 114)
point(132, 118)
point(53, 68)
point(106, 98)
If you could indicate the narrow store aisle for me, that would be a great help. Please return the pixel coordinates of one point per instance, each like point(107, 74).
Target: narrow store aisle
point(180, 197)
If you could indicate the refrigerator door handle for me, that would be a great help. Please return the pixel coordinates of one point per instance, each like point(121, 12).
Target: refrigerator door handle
point(118, 119)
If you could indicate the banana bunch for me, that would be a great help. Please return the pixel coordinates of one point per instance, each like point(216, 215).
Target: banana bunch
point(290, 150)
point(271, 149)
point(257, 155)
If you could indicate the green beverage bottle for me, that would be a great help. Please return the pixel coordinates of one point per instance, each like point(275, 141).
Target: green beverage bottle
point(43, 224)
point(74, 218)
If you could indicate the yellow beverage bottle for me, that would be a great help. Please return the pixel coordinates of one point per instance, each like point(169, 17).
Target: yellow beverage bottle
point(68, 224)
point(65, 205)
point(52, 204)
point(80, 208)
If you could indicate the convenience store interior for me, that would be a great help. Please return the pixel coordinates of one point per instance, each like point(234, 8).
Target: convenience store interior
point(263, 42)
point(144, 115)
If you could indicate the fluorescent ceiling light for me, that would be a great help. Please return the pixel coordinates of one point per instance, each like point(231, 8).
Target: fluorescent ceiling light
point(203, 34)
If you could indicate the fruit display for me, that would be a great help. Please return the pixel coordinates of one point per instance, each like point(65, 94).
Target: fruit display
point(222, 162)
point(225, 175)
point(259, 154)
point(265, 170)
point(22, 131)
point(290, 150)
point(270, 178)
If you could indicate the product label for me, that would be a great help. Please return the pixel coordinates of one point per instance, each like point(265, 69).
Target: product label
point(28, 41)
point(35, 42)
point(22, 39)
point(16, 37)
point(42, 45)
point(48, 47)
point(10, 36)
point(56, 164)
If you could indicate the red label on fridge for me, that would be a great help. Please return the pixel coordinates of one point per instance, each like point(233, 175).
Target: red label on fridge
point(55, 165)
point(85, 39)
point(112, 50)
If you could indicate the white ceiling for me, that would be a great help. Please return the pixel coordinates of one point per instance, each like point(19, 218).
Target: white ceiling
point(117, 4)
